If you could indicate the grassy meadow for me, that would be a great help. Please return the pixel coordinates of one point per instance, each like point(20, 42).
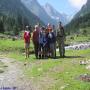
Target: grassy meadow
point(51, 74)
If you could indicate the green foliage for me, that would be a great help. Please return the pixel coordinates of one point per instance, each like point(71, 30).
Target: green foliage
point(1, 27)
point(77, 38)
point(76, 24)
point(80, 21)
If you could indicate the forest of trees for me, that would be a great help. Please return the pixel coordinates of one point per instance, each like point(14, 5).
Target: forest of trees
point(11, 24)
point(14, 16)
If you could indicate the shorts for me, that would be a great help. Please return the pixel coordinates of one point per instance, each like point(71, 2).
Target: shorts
point(27, 45)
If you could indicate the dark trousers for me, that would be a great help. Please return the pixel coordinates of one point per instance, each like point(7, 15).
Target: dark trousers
point(45, 51)
point(36, 48)
point(40, 50)
point(61, 45)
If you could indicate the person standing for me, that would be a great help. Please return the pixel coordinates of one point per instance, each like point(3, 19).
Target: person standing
point(51, 41)
point(44, 43)
point(35, 39)
point(55, 34)
point(49, 36)
point(27, 37)
point(40, 44)
point(61, 39)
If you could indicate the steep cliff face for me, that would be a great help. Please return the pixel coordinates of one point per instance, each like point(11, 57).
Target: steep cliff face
point(54, 14)
point(38, 10)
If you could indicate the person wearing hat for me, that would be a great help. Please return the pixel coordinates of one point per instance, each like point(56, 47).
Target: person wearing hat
point(27, 37)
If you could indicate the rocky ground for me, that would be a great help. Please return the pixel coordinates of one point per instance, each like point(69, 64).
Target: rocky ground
point(13, 78)
point(79, 46)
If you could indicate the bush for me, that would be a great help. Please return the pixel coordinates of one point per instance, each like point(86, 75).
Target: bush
point(72, 38)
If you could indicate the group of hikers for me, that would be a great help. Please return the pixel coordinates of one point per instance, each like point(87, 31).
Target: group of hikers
point(44, 40)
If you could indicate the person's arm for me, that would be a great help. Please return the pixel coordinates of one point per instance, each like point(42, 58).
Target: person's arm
point(64, 34)
point(30, 34)
point(63, 31)
point(33, 36)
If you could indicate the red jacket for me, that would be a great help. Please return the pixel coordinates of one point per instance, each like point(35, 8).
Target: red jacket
point(35, 37)
point(27, 36)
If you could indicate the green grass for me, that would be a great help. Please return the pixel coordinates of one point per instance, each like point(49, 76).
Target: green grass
point(41, 67)
point(7, 45)
point(66, 76)
point(51, 74)
point(14, 49)
point(77, 39)
point(21, 57)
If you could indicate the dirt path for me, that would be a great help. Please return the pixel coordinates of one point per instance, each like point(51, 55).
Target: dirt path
point(13, 78)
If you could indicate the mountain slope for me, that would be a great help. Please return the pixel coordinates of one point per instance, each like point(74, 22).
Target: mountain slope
point(54, 14)
point(80, 20)
point(84, 10)
point(15, 8)
point(38, 10)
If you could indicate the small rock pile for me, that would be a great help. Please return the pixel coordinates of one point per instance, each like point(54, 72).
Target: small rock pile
point(85, 77)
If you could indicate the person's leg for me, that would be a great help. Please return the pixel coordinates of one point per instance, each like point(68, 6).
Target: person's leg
point(35, 49)
point(60, 48)
point(39, 52)
point(26, 55)
point(55, 49)
point(46, 51)
point(43, 52)
point(51, 49)
point(63, 48)
point(28, 46)
point(28, 52)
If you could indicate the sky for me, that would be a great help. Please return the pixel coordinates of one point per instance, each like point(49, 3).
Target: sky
point(69, 7)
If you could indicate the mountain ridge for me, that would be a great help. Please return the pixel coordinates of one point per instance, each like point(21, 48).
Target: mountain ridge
point(80, 20)
point(38, 10)
point(53, 13)
point(41, 12)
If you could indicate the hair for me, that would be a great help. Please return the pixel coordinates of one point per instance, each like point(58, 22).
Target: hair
point(36, 26)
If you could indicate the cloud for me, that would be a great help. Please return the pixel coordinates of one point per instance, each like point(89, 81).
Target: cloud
point(77, 3)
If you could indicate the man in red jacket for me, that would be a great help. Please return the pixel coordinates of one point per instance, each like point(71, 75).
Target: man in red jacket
point(27, 37)
point(35, 39)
